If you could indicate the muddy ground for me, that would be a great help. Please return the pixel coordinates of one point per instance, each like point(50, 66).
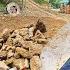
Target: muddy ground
point(52, 24)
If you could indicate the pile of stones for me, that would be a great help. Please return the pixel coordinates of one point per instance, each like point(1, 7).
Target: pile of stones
point(20, 49)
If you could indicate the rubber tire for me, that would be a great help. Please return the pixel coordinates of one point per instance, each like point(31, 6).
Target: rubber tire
point(13, 4)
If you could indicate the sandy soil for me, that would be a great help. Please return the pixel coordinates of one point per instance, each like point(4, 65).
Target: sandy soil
point(52, 24)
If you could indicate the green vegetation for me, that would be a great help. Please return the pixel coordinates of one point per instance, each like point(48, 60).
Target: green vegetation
point(55, 3)
point(41, 1)
point(2, 5)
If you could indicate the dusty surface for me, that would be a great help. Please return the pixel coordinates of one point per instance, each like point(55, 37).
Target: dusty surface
point(52, 24)
point(22, 44)
point(58, 50)
point(20, 47)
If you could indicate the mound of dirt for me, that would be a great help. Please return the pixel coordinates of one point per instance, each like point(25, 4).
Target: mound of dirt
point(20, 45)
point(21, 48)
point(17, 22)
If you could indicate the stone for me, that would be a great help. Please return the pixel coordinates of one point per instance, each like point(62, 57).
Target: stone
point(18, 41)
point(14, 34)
point(26, 37)
point(39, 35)
point(20, 49)
point(3, 55)
point(3, 66)
point(16, 55)
point(1, 40)
point(31, 29)
point(10, 48)
point(9, 61)
point(19, 63)
point(4, 47)
point(9, 41)
point(27, 44)
point(0, 45)
point(41, 41)
point(14, 68)
point(23, 52)
point(10, 54)
point(35, 49)
point(6, 33)
point(35, 63)
point(26, 63)
point(23, 31)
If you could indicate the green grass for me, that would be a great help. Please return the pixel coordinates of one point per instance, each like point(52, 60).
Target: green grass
point(2, 6)
point(41, 1)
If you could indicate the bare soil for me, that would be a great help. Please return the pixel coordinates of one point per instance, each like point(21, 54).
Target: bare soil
point(52, 24)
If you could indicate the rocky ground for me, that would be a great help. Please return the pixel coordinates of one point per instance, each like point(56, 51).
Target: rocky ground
point(20, 49)
point(22, 40)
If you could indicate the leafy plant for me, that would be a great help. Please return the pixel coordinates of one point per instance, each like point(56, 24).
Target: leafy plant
point(41, 1)
point(2, 5)
point(2, 2)
point(55, 3)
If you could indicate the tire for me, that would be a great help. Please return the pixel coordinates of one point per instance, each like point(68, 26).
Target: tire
point(13, 8)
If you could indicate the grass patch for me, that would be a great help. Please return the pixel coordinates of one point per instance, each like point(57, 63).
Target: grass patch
point(2, 6)
point(41, 1)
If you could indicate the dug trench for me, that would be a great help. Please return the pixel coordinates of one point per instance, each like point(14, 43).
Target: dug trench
point(22, 40)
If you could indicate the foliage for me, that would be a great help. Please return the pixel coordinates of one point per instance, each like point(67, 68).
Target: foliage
point(55, 3)
point(41, 1)
point(2, 2)
point(2, 5)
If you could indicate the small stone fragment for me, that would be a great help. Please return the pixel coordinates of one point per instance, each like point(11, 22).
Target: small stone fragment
point(16, 55)
point(22, 52)
point(26, 63)
point(23, 31)
point(18, 41)
point(35, 63)
point(3, 66)
point(3, 55)
point(41, 41)
point(14, 68)
point(10, 54)
point(9, 61)
point(1, 40)
point(9, 41)
point(6, 34)
point(16, 32)
point(39, 35)
point(27, 44)
point(0, 45)
point(10, 48)
point(26, 37)
point(35, 49)
point(31, 29)
point(4, 47)
point(19, 63)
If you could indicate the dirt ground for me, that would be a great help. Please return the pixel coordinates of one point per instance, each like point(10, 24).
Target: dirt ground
point(52, 24)
point(52, 27)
